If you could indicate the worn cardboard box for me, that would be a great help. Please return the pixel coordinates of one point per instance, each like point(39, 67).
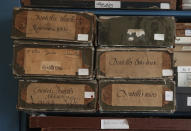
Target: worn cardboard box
point(53, 25)
point(136, 31)
point(115, 4)
point(34, 60)
point(57, 96)
point(182, 54)
point(183, 33)
point(136, 96)
point(134, 63)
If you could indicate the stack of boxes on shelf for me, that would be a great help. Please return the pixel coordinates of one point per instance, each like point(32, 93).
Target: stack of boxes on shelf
point(135, 63)
point(182, 54)
point(54, 58)
point(77, 62)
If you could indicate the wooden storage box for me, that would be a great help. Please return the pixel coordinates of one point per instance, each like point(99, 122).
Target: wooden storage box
point(54, 25)
point(136, 96)
point(97, 123)
point(134, 63)
point(57, 96)
point(116, 4)
point(72, 62)
point(136, 31)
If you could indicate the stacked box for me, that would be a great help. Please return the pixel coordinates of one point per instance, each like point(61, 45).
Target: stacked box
point(54, 60)
point(114, 4)
point(182, 54)
point(135, 64)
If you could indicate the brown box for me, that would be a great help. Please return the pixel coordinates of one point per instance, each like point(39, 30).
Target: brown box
point(57, 96)
point(182, 54)
point(53, 61)
point(183, 33)
point(54, 25)
point(90, 123)
point(122, 4)
point(136, 96)
point(134, 63)
point(136, 31)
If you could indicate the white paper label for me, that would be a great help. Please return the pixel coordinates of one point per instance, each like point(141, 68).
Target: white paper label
point(188, 101)
point(184, 69)
point(164, 6)
point(83, 72)
point(114, 124)
point(83, 37)
point(168, 95)
point(107, 4)
point(158, 36)
point(167, 72)
point(186, 48)
point(184, 79)
point(187, 32)
point(89, 95)
point(183, 40)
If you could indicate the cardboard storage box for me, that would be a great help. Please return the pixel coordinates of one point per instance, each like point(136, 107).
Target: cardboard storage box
point(134, 63)
point(183, 33)
point(53, 25)
point(136, 31)
point(115, 4)
point(53, 61)
point(57, 96)
point(136, 96)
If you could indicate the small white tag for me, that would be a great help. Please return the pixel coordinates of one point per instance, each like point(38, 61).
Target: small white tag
point(168, 95)
point(167, 72)
point(158, 36)
point(83, 37)
point(114, 124)
point(89, 95)
point(188, 32)
point(184, 69)
point(183, 40)
point(186, 48)
point(107, 4)
point(188, 101)
point(164, 6)
point(184, 79)
point(83, 72)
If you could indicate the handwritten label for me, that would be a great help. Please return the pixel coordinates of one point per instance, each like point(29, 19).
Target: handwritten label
point(50, 93)
point(137, 95)
point(167, 72)
point(107, 4)
point(51, 25)
point(164, 6)
point(188, 101)
point(183, 40)
point(83, 37)
point(51, 66)
point(184, 79)
point(159, 36)
point(132, 64)
point(52, 61)
point(83, 72)
point(89, 95)
point(168, 95)
point(139, 33)
point(184, 69)
point(114, 124)
point(188, 32)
